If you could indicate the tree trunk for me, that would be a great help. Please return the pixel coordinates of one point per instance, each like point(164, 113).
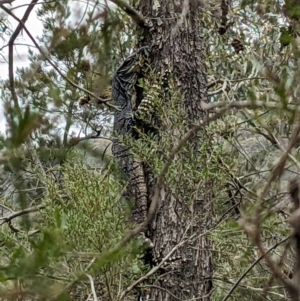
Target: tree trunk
point(183, 52)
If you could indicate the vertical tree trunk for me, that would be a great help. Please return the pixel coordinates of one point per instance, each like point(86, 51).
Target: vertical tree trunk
point(183, 52)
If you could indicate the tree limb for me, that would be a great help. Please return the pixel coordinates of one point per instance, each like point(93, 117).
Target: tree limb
point(131, 12)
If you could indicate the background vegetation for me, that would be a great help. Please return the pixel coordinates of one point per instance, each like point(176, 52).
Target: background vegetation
point(64, 223)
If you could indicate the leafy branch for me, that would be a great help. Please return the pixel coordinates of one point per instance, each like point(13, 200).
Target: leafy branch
point(22, 25)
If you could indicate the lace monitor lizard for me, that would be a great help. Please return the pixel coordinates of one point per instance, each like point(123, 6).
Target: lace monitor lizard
point(126, 95)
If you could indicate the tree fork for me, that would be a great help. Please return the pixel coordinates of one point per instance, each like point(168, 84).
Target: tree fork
point(177, 43)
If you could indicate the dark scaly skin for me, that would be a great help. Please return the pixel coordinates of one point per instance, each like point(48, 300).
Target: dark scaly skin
point(124, 96)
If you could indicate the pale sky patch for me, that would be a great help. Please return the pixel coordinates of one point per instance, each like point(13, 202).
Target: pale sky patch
point(23, 42)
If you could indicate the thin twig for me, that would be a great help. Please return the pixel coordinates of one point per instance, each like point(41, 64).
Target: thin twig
point(254, 233)
point(276, 174)
point(228, 295)
point(244, 104)
point(277, 272)
point(93, 287)
point(280, 263)
point(131, 12)
point(188, 136)
point(22, 5)
point(154, 269)
point(75, 140)
point(218, 81)
point(11, 52)
point(222, 89)
point(7, 219)
point(165, 290)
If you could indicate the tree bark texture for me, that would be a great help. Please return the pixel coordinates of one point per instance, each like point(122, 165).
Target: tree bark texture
point(183, 51)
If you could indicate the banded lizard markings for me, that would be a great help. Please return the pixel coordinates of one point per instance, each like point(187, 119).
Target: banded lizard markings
point(124, 93)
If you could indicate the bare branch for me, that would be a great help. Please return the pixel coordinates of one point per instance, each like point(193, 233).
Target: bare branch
point(11, 51)
point(75, 140)
point(7, 219)
point(130, 11)
point(93, 287)
point(238, 105)
point(188, 136)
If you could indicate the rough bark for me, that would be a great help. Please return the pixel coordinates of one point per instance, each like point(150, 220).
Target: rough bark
point(181, 50)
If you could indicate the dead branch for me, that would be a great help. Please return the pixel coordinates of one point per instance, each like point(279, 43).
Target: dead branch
point(278, 169)
point(294, 193)
point(280, 263)
point(153, 270)
point(92, 287)
point(189, 135)
point(131, 12)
